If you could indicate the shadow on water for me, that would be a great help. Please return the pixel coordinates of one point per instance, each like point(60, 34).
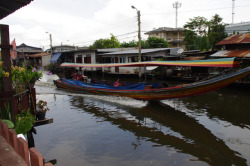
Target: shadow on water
point(230, 105)
point(165, 126)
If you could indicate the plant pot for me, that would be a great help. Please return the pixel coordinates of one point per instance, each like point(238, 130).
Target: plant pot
point(40, 115)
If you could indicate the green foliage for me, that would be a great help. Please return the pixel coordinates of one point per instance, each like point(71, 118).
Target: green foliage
point(22, 76)
point(24, 122)
point(5, 115)
point(198, 24)
point(154, 42)
point(50, 67)
point(6, 112)
point(2, 72)
point(216, 31)
point(106, 43)
point(9, 123)
point(32, 75)
point(203, 34)
point(151, 42)
point(129, 44)
point(190, 39)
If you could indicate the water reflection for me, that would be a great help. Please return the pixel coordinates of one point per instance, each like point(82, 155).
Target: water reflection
point(231, 105)
point(163, 126)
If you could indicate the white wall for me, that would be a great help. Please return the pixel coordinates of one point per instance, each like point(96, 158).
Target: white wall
point(46, 60)
point(84, 54)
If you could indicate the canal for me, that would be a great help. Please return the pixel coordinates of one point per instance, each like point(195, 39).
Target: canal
point(90, 130)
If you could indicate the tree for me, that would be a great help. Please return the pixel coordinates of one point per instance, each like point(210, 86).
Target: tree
point(129, 44)
point(190, 39)
point(154, 42)
point(203, 34)
point(151, 42)
point(106, 43)
point(199, 25)
point(216, 31)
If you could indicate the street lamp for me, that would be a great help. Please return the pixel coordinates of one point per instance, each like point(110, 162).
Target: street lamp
point(139, 35)
point(50, 37)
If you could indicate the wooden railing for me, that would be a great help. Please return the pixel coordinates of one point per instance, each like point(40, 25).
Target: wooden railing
point(31, 156)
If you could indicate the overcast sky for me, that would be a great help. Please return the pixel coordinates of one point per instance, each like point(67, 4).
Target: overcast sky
point(81, 22)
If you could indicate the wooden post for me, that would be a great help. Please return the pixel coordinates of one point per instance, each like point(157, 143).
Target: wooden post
point(36, 158)
point(5, 52)
point(13, 139)
point(23, 150)
point(5, 49)
point(5, 131)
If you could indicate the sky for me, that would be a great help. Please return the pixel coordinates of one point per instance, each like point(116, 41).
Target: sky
point(81, 22)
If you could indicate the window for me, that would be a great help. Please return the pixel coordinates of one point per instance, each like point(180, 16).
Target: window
point(88, 55)
point(122, 60)
point(79, 59)
point(112, 60)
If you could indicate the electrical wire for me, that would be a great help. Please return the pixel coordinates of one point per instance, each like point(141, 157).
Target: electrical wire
point(194, 10)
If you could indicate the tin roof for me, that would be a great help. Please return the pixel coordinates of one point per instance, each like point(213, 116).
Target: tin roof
point(10, 6)
point(39, 55)
point(165, 29)
point(232, 53)
point(236, 39)
point(173, 51)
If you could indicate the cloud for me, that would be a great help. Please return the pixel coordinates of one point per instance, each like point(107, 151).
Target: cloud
point(81, 22)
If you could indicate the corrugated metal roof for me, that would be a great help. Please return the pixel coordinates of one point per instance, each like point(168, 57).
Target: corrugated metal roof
point(9, 6)
point(115, 49)
point(39, 55)
point(136, 51)
point(236, 39)
point(232, 53)
point(165, 29)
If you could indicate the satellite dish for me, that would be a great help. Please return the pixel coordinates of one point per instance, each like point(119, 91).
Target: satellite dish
point(180, 51)
point(151, 67)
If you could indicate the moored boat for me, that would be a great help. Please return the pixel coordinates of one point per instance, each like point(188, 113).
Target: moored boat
point(143, 92)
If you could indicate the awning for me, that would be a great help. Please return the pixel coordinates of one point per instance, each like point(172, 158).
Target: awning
point(224, 62)
point(55, 57)
point(39, 55)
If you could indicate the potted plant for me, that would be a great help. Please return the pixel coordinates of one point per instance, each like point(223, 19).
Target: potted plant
point(24, 122)
point(42, 108)
point(32, 75)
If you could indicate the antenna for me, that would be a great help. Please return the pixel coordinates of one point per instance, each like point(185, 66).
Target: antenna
point(233, 6)
point(176, 5)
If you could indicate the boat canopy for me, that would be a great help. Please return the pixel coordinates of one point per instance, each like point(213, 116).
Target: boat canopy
point(139, 86)
point(225, 62)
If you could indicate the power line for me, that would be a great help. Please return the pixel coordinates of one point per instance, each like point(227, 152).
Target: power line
point(117, 36)
point(196, 10)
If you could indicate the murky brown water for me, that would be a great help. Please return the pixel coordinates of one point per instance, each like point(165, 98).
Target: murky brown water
point(211, 129)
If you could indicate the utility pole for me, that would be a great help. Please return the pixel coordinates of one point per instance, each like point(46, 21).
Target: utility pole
point(51, 50)
point(233, 6)
point(50, 38)
point(139, 36)
point(176, 5)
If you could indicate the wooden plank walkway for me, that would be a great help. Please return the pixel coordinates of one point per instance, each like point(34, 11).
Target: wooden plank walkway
point(8, 156)
point(14, 151)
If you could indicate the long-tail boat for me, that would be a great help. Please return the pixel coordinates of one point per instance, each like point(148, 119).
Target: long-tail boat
point(143, 92)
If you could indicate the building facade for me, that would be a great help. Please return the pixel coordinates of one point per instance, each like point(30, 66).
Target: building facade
point(174, 36)
point(239, 28)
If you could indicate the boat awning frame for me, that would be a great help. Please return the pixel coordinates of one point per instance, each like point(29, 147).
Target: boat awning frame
point(55, 57)
point(224, 62)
